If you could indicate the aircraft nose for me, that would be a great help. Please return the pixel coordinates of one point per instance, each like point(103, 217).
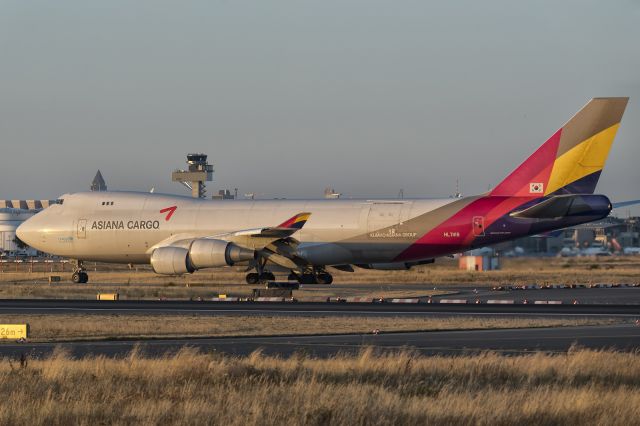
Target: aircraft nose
point(27, 232)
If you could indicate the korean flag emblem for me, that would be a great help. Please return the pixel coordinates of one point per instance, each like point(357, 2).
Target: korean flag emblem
point(536, 188)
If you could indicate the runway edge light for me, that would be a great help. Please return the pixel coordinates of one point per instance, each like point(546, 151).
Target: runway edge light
point(14, 331)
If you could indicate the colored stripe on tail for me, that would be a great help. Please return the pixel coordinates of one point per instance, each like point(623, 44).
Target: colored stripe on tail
point(571, 161)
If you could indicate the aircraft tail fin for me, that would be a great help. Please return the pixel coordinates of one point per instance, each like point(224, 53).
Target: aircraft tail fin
point(570, 161)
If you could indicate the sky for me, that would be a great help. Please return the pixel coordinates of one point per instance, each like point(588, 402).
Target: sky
point(291, 96)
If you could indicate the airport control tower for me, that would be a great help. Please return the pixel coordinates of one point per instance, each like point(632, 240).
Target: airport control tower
point(198, 173)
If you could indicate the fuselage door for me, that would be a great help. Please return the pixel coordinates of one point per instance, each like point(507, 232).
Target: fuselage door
point(82, 229)
point(383, 215)
point(478, 226)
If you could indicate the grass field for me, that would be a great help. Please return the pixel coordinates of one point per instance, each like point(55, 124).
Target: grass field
point(581, 387)
point(142, 283)
point(100, 327)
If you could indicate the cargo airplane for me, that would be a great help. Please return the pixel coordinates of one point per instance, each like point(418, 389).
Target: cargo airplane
point(552, 189)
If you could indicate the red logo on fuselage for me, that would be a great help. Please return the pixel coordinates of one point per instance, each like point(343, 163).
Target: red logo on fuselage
point(169, 211)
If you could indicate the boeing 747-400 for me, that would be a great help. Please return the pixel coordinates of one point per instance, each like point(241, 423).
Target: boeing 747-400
point(552, 189)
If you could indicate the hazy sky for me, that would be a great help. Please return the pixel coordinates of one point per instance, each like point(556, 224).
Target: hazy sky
point(288, 97)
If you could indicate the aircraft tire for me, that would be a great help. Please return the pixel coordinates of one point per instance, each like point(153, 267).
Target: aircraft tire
point(252, 278)
point(308, 279)
point(267, 276)
point(325, 278)
point(76, 278)
point(84, 277)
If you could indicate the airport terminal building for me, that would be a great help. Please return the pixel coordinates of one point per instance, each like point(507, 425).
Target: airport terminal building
point(10, 219)
point(12, 214)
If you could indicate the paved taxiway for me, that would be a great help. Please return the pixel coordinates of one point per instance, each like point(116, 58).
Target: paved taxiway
point(621, 303)
point(59, 306)
point(621, 337)
point(620, 295)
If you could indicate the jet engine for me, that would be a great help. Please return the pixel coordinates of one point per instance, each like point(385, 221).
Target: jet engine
point(209, 253)
point(171, 261)
point(203, 253)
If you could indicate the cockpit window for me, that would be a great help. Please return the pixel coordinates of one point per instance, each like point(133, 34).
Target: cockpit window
point(59, 201)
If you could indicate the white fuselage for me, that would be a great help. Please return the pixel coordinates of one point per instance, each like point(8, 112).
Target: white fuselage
point(123, 227)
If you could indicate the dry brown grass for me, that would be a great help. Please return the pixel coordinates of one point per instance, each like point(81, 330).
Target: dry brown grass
point(581, 387)
point(142, 283)
point(99, 327)
point(606, 269)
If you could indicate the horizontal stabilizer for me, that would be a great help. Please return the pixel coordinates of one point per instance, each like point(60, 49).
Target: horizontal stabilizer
point(625, 204)
point(561, 206)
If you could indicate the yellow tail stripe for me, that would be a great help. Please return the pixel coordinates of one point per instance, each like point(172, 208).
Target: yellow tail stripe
point(302, 217)
point(589, 156)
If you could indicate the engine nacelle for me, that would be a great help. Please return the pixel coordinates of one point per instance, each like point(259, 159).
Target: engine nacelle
point(203, 253)
point(209, 253)
point(171, 261)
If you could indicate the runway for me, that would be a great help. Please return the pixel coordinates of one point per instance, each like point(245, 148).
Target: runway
point(624, 337)
point(61, 306)
point(605, 296)
point(621, 336)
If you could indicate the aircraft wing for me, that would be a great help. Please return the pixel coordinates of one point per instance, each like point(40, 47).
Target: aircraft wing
point(273, 244)
point(253, 237)
point(284, 230)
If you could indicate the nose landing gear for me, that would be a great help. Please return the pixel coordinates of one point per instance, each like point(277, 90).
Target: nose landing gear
point(80, 275)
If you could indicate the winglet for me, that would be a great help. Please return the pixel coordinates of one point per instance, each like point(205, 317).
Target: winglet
point(296, 222)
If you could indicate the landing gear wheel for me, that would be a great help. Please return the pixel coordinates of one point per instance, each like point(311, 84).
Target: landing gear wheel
point(308, 279)
point(80, 277)
point(267, 276)
point(324, 278)
point(252, 278)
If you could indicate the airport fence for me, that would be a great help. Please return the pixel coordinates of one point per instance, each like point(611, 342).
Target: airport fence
point(34, 265)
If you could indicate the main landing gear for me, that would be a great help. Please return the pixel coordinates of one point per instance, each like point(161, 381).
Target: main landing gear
point(316, 277)
point(80, 275)
point(311, 275)
point(255, 278)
